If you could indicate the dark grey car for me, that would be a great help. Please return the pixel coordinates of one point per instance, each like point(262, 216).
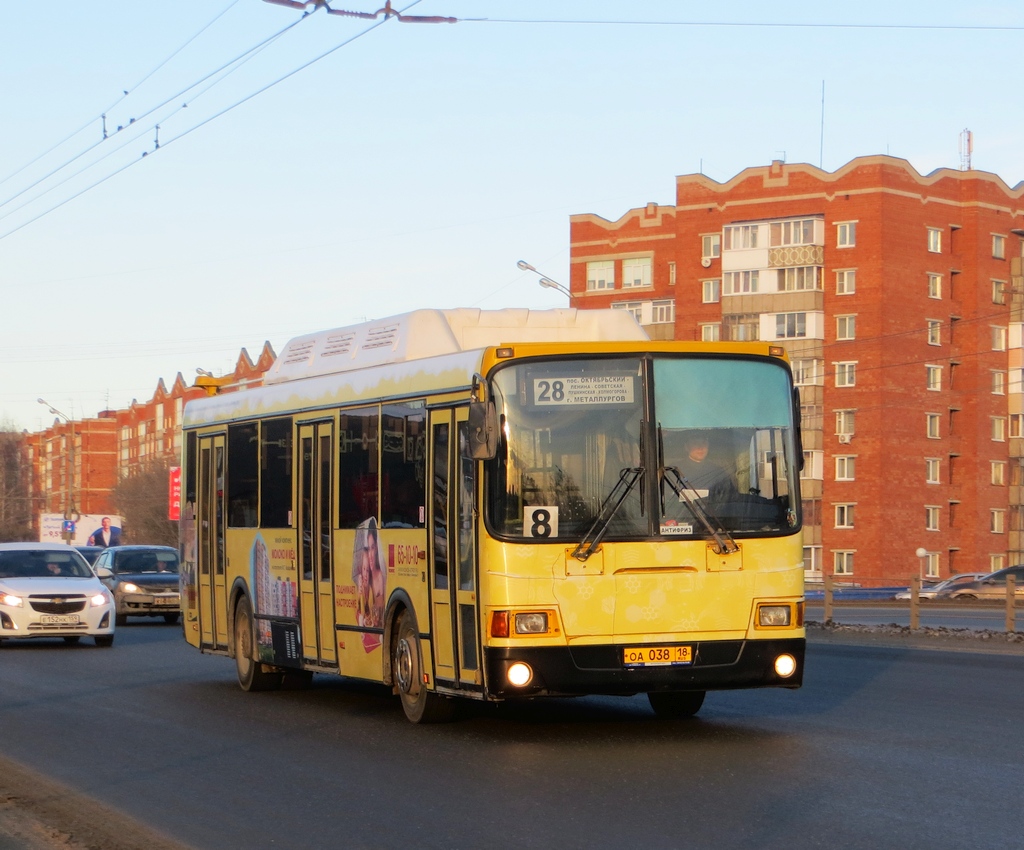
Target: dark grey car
point(143, 579)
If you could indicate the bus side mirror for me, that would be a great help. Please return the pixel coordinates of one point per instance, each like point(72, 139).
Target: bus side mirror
point(798, 426)
point(483, 424)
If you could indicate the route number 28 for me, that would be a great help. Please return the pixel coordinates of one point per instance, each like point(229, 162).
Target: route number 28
point(541, 521)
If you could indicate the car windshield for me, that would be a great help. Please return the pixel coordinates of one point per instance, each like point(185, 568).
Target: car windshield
point(43, 564)
point(607, 446)
point(146, 562)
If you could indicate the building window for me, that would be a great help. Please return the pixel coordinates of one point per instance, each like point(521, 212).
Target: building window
point(931, 470)
point(997, 523)
point(711, 332)
point(846, 234)
point(998, 473)
point(844, 423)
point(811, 417)
point(932, 425)
point(711, 246)
point(998, 291)
point(671, 274)
point(807, 371)
point(740, 236)
point(790, 325)
point(741, 327)
point(843, 563)
point(998, 429)
point(931, 565)
point(636, 272)
point(931, 518)
point(740, 283)
point(712, 290)
point(663, 312)
point(934, 285)
point(998, 246)
point(998, 382)
point(844, 516)
point(996, 562)
point(846, 373)
point(600, 275)
point(845, 467)
point(935, 240)
point(846, 282)
point(812, 560)
point(998, 338)
point(634, 307)
point(934, 378)
point(846, 327)
point(799, 232)
point(934, 332)
point(801, 278)
point(1017, 425)
point(813, 465)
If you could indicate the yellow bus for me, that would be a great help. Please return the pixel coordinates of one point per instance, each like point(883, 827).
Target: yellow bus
point(500, 505)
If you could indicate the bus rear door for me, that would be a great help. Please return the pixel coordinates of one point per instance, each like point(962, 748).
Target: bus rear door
point(213, 617)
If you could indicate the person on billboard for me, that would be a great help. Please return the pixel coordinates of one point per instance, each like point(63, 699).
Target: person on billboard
point(106, 535)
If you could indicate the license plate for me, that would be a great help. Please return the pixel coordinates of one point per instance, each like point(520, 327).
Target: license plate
point(58, 619)
point(654, 656)
point(166, 600)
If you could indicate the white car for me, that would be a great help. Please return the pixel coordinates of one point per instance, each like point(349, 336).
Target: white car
point(49, 590)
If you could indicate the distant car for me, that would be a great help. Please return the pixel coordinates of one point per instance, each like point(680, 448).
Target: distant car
point(90, 553)
point(992, 586)
point(944, 587)
point(143, 579)
point(49, 590)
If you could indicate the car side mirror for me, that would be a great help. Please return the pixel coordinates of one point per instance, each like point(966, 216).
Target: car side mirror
point(103, 572)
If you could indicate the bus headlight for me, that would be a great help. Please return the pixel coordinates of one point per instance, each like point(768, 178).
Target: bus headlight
point(532, 623)
point(519, 674)
point(785, 666)
point(773, 615)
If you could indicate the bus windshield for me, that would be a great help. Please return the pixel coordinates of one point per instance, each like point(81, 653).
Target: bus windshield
point(671, 446)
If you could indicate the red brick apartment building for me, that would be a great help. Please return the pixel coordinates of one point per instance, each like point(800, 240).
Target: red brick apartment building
point(899, 299)
point(80, 462)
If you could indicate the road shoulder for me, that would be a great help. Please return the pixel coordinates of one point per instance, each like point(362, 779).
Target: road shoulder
point(894, 636)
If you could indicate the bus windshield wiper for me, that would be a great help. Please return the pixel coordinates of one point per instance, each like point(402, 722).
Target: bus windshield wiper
point(628, 479)
point(724, 542)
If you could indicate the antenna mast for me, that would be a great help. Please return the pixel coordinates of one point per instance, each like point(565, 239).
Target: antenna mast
point(966, 147)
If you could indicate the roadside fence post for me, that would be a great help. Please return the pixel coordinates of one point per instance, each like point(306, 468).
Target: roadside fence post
point(828, 598)
point(1011, 598)
point(915, 603)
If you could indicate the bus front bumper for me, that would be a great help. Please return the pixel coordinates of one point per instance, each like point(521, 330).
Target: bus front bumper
point(601, 669)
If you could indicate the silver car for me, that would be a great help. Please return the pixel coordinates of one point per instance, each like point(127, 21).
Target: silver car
point(49, 590)
point(945, 587)
point(992, 586)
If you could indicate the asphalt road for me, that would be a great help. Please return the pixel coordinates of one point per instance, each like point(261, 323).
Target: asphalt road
point(885, 746)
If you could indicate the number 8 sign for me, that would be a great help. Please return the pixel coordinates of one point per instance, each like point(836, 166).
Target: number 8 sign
point(541, 521)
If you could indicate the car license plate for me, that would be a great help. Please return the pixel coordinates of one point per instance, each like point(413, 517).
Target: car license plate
point(165, 600)
point(59, 619)
point(654, 656)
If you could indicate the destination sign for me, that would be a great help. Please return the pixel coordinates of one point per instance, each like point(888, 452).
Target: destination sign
point(583, 390)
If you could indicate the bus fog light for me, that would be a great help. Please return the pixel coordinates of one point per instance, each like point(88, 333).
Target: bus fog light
point(785, 665)
point(519, 674)
point(534, 623)
point(773, 615)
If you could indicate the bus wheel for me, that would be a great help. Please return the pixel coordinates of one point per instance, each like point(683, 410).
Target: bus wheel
point(420, 705)
point(251, 675)
point(171, 619)
point(674, 704)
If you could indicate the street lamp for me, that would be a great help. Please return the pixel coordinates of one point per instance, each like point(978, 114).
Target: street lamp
point(71, 515)
point(544, 281)
point(921, 553)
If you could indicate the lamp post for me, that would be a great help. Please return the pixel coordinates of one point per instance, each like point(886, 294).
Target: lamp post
point(921, 553)
point(544, 281)
point(71, 514)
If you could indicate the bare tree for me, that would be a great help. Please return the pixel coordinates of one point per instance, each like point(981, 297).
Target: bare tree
point(15, 487)
point(141, 500)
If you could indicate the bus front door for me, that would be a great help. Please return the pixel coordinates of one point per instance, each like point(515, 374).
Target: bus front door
point(316, 584)
point(453, 586)
point(213, 618)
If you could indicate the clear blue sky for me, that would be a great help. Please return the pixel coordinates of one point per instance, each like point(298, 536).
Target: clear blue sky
point(413, 166)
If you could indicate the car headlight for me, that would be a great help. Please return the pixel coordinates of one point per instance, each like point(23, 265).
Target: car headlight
point(101, 598)
point(128, 587)
point(11, 600)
